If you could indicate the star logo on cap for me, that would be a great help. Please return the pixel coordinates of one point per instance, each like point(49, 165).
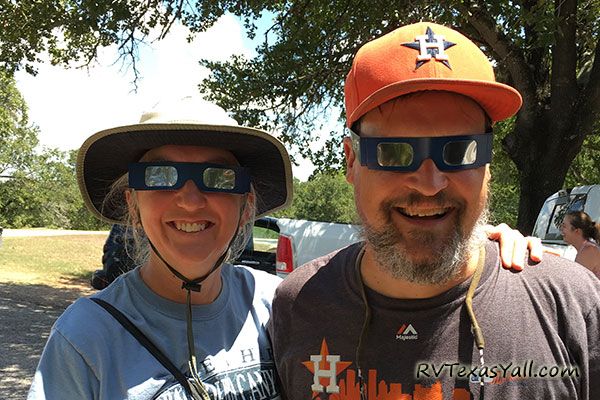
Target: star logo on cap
point(430, 46)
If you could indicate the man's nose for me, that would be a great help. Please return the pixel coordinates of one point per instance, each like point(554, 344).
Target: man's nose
point(428, 179)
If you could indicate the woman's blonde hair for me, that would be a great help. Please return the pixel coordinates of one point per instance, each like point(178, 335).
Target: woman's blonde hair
point(138, 247)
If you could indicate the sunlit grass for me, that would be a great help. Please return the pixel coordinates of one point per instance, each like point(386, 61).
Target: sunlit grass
point(54, 259)
point(50, 259)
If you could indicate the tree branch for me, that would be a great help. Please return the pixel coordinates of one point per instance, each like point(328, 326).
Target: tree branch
point(167, 27)
point(535, 53)
point(563, 82)
point(588, 107)
point(509, 55)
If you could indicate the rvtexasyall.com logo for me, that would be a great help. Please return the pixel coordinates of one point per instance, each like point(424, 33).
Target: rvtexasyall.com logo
point(407, 332)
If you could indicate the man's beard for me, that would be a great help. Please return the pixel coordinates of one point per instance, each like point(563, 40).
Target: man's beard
point(448, 254)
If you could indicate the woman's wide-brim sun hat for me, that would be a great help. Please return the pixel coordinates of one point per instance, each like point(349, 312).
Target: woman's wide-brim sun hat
point(104, 157)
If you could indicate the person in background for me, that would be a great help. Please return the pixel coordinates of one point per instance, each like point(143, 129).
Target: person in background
point(581, 232)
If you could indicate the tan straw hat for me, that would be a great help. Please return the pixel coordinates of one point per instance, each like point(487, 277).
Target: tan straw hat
point(104, 157)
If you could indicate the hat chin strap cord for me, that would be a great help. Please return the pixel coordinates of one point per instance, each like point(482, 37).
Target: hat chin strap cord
point(194, 285)
point(198, 389)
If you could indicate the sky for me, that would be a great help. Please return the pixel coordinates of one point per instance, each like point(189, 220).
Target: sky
point(69, 105)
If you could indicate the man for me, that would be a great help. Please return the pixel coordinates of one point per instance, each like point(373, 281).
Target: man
point(420, 310)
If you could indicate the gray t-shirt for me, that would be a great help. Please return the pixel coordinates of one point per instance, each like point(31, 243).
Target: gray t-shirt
point(89, 355)
point(539, 322)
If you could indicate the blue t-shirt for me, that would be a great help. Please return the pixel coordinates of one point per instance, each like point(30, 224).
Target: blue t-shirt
point(89, 355)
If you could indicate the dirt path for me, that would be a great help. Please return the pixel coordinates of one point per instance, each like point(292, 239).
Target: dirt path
point(27, 313)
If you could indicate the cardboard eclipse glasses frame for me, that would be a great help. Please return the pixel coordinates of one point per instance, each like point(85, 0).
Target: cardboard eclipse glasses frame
point(208, 177)
point(406, 154)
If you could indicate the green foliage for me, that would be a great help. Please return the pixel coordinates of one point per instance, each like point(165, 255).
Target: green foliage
point(308, 51)
point(39, 188)
point(504, 185)
point(73, 30)
point(17, 138)
point(585, 169)
point(45, 196)
point(264, 233)
point(325, 197)
point(545, 49)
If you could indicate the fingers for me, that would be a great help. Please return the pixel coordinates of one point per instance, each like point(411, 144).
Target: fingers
point(519, 250)
point(536, 249)
point(506, 237)
point(514, 246)
point(495, 232)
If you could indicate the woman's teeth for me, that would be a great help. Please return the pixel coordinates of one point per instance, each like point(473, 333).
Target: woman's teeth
point(187, 227)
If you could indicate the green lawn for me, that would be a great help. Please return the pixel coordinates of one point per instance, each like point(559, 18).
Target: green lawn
point(264, 233)
point(55, 259)
point(50, 259)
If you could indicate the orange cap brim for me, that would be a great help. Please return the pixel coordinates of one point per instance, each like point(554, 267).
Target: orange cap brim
point(498, 100)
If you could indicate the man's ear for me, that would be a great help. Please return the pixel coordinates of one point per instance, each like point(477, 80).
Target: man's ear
point(350, 156)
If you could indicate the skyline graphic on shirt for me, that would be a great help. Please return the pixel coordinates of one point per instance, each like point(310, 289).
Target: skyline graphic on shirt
point(326, 369)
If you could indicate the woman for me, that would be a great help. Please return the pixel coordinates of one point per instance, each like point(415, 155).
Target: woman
point(581, 232)
point(188, 181)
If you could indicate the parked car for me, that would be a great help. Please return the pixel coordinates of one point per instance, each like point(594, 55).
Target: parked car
point(260, 252)
point(295, 243)
point(580, 198)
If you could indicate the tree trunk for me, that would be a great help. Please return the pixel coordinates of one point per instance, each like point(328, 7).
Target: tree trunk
point(552, 125)
point(543, 151)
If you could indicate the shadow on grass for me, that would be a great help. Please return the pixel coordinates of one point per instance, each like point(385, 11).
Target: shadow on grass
point(27, 312)
point(82, 278)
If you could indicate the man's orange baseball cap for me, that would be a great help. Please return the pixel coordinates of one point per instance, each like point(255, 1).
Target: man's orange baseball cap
point(425, 56)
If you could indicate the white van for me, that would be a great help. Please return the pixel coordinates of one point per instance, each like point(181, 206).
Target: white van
point(580, 198)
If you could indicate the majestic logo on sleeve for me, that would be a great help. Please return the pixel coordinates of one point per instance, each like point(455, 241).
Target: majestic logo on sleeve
point(430, 46)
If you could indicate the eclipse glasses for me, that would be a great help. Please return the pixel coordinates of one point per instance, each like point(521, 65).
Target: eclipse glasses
point(405, 154)
point(167, 175)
